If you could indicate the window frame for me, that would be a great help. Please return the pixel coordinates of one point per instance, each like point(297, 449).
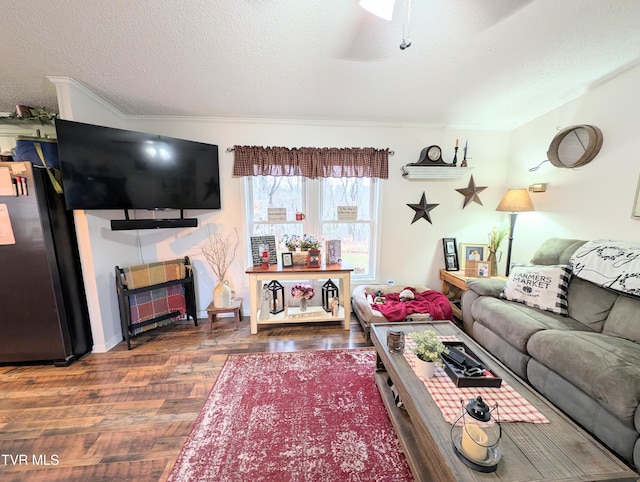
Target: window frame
point(313, 204)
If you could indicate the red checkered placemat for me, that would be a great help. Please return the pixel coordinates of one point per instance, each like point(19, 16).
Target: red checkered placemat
point(512, 407)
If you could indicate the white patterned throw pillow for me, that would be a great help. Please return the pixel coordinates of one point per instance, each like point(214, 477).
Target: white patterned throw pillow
point(542, 287)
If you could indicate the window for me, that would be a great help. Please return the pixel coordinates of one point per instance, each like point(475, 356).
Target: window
point(319, 200)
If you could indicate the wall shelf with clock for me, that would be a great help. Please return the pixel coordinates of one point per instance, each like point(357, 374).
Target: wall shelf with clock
point(432, 166)
point(434, 173)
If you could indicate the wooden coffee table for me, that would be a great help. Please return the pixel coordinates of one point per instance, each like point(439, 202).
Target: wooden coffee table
point(558, 450)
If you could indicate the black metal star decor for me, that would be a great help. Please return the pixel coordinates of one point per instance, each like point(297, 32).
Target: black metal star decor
point(422, 209)
point(471, 192)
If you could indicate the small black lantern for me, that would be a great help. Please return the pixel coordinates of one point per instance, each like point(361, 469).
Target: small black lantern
point(329, 291)
point(276, 299)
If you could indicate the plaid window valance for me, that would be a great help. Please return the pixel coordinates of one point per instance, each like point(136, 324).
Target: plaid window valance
point(311, 162)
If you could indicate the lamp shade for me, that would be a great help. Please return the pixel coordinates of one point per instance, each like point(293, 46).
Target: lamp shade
point(516, 201)
point(380, 8)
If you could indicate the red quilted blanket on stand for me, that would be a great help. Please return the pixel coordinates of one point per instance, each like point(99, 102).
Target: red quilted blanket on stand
point(428, 301)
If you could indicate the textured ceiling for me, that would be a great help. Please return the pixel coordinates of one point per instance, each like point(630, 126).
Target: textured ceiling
point(485, 63)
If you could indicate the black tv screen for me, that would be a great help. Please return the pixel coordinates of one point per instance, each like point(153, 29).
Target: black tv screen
point(107, 168)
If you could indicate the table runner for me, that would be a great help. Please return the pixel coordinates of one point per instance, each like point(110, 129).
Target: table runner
point(512, 406)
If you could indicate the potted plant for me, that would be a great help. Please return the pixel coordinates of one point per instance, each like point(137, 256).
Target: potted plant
point(427, 348)
point(309, 242)
point(291, 242)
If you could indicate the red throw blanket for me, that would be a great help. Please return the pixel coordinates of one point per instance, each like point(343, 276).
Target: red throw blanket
point(429, 301)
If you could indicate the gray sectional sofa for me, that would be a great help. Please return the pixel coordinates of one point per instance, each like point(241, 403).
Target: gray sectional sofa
point(586, 363)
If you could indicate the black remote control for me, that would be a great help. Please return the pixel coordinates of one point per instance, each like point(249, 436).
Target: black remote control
point(461, 360)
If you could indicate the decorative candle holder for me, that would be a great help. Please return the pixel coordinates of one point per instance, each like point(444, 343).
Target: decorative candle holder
point(395, 341)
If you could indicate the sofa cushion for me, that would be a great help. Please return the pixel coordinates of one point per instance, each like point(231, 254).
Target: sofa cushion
point(556, 251)
point(624, 319)
point(486, 286)
point(516, 323)
point(589, 304)
point(605, 367)
point(542, 287)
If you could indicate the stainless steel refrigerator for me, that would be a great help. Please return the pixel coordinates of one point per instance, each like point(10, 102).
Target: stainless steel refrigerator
point(43, 314)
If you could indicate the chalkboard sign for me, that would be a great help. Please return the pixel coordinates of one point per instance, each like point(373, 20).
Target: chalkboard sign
point(270, 241)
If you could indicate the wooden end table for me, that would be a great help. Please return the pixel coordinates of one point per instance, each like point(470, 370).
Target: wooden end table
point(235, 307)
point(454, 283)
point(558, 450)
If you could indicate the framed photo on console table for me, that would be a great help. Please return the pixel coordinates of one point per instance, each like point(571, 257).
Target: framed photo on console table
point(473, 252)
point(287, 259)
point(450, 254)
point(313, 258)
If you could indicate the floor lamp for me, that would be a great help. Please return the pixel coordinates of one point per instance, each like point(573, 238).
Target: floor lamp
point(514, 201)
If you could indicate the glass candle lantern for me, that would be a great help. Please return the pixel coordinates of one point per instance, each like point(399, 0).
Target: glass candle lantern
point(329, 291)
point(276, 299)
point(476, 434)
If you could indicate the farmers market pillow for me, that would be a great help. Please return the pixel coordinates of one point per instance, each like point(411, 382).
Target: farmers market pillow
point(542, 287)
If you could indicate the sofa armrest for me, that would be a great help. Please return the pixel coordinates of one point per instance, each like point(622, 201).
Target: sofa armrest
point(486, 286)
point(467, 299)
point(477, 287)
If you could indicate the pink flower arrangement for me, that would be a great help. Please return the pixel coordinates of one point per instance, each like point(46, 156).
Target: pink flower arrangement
point(301, 290)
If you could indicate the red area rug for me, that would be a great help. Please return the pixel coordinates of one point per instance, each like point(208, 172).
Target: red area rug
point(295, 416)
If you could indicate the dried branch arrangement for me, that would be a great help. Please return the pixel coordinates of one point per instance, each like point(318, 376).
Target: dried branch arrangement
point(220, 251)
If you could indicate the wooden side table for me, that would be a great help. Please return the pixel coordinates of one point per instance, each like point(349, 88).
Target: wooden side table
point(235, 307)
point(454, 283)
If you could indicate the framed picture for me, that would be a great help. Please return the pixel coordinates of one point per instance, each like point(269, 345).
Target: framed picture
point(287, 259)
point(450, 254)
point(473, 252)
point(313, 258)
point(334, 251)
point(451, 262)
point(482, 270)
point(256, 242)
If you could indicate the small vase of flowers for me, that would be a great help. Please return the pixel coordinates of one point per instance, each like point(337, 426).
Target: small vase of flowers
point(427, 348)
point(302, 292)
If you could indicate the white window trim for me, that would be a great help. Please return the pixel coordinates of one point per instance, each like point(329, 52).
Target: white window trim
point(313, 201)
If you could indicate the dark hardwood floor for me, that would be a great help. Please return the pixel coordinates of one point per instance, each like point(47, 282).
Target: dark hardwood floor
point(124, 415)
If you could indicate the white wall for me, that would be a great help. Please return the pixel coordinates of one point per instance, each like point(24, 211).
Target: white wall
point(410, 253)
point(595, 200)
point(590, 202)
point(100, 248)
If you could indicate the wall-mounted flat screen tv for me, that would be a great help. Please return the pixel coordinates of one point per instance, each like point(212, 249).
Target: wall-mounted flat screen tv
point(107, 168)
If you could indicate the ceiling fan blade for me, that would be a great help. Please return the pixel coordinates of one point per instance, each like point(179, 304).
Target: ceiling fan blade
point(380, 8)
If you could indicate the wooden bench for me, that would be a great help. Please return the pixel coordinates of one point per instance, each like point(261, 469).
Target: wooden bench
point(235, 307)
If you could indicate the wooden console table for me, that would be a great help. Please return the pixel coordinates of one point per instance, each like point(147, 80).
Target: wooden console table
point(337, 272)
